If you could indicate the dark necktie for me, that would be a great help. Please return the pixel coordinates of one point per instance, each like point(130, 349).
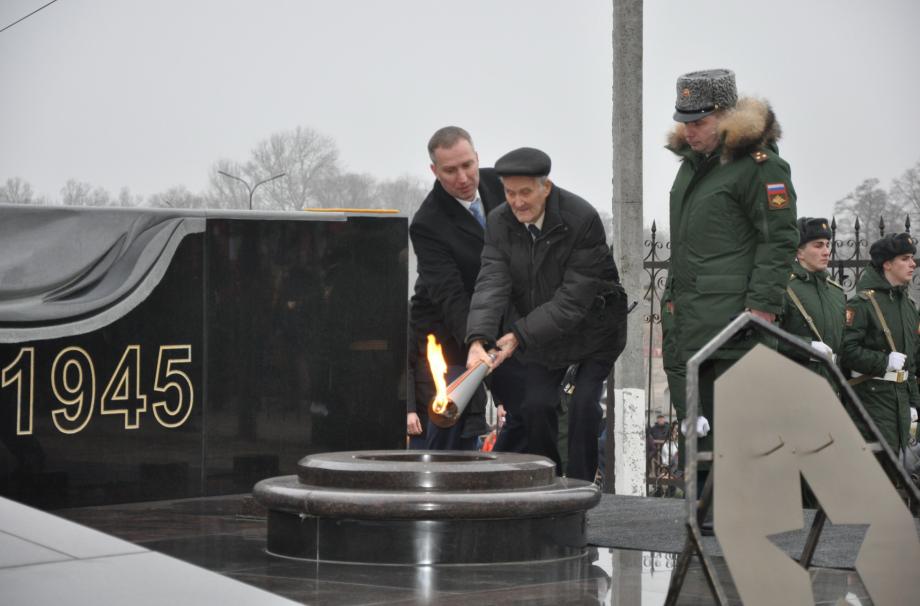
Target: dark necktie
point(534, 231)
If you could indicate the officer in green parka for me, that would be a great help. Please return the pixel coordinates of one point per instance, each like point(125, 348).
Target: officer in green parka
point(880, 340)
point(815, 305)
point(733, 224)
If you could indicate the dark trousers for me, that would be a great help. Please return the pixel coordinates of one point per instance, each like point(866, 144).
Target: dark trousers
point(507, 387)
point(539, 413)
point(513, 435)
point(449, 438)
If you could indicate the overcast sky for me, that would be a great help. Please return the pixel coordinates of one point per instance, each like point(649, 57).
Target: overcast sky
point(149, 94)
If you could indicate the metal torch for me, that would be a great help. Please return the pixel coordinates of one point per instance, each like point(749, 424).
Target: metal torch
point(459, 394)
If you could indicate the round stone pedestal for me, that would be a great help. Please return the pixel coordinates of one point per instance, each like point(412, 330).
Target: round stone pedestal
point(426, 507)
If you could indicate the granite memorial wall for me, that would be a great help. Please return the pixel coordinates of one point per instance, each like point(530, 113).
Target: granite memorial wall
point(256, 340)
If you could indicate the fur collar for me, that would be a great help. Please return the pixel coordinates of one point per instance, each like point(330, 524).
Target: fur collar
point(744, 128)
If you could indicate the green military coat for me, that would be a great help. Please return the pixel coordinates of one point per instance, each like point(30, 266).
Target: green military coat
point(733, 229)
point(865, 350)
point(824, 302)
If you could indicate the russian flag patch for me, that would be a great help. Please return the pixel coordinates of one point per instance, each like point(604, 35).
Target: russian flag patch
point(777, 197)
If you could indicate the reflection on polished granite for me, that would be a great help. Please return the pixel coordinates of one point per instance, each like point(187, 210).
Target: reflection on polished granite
point(252, 342)
point(227, 535)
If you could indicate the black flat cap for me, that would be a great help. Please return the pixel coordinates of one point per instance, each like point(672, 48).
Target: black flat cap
point(813, 228)
point(524, 162)
point(891, 246)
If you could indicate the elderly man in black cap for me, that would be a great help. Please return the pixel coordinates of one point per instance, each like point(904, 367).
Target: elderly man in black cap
point(815, 305)
point(546, 255)
point(733, 228)
point(880, 339)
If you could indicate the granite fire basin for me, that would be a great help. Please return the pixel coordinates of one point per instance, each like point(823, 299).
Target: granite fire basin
point(426, 507)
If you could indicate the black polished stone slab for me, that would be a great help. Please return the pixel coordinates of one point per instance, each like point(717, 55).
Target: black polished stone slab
point(427, 542)
point(222, 534)
point(268, 337)
point(306, 325)
point(420, 470)
point(95, 432)
point(421, 507)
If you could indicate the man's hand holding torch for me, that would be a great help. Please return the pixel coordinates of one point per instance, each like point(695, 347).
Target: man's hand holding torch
point(504, 347)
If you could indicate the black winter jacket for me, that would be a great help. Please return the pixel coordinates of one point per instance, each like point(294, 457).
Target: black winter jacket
point(564, 287)
point(448, 241)
point(448, 244)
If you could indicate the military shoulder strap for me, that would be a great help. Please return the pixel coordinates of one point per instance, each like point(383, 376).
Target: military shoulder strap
point(835, 283)
point(760, 156)
point(870, 295)
point(798, 305)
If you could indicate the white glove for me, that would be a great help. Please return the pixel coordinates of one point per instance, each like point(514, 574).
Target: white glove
point(913, 415)
point(896, 361)
point(822, 348)
point(702, 427)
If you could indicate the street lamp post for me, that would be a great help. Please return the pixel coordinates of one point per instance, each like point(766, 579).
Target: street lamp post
point(252, 189)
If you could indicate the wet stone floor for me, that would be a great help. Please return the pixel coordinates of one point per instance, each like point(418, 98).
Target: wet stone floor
point(227, 535)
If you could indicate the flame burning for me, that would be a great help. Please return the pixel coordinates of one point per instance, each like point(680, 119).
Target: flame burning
point(438, 371)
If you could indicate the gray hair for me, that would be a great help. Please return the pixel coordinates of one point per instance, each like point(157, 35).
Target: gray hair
point(446, 137)
point(541, 181)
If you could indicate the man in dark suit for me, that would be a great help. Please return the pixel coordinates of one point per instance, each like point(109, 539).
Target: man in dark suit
point(447, 235)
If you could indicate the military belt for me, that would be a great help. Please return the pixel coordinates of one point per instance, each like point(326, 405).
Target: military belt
point(895, 376)
point(814, 359)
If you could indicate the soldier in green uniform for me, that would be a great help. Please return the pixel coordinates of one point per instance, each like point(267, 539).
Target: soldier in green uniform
point(733, 224)
point(815, 306)
point(880, 340)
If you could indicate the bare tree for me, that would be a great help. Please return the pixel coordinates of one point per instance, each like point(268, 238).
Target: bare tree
point(313, 178)
point(404, 193)
point(346, 190)
point(224, 192)
point(100, 197)
point(354, 190)
point(81, 193)
point(177, 197)
point(16, 191)
point(127, 199)
point(905, 190)
point(307, 157)
point(76, 193)
point(869, 203)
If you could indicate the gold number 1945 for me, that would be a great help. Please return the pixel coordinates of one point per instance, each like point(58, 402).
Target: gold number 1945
point(21, 371)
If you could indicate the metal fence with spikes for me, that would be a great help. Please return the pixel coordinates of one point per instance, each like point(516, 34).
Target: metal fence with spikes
point(849, 257)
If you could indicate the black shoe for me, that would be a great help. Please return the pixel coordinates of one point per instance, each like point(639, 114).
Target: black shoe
point(707, 530)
